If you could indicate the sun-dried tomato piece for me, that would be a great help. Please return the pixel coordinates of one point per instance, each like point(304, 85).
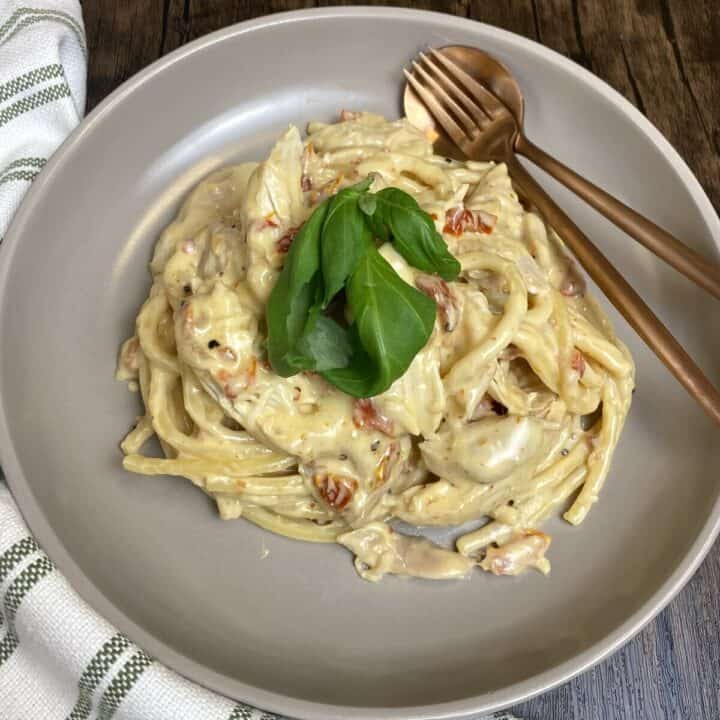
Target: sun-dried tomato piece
point(335, 490)
point(577, 362)
point(440, 292)
point(284, 243)
point(460, 219)
point(367, 416)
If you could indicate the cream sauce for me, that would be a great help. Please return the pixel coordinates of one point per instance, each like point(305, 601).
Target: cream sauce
point(434, 449)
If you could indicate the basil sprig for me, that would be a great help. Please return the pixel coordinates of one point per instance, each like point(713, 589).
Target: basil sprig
point(299, 337)
point(390, 321)
point(345, 239)
point(395, 215)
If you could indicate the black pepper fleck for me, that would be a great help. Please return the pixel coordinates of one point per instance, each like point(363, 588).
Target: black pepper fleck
point(448, 160)
point(343, 456)
point(213, 344)
point(375, 445)
point(498, 408)
point(187, 289)
point(564, 452)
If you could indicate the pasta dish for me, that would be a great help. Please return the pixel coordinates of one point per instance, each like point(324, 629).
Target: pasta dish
point(357, 338)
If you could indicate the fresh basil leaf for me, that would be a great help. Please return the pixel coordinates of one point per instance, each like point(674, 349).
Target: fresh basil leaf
point(285, 328)
point(360, 187)
point(296, 291)
point(376, 222)
point(367, 202)
point(345, 237)
point(326, 344)
point(360, 377)
point(398, 217)
point(302, 262)
point(392, 323)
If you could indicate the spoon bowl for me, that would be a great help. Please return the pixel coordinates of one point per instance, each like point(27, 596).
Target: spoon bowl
point(482, 67)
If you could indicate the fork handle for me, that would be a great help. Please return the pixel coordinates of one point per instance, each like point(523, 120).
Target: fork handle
point(694, 266)
point(621, 294)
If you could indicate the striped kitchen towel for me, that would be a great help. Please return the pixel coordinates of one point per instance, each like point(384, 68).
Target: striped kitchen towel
point(58, 658)
point(43, 60)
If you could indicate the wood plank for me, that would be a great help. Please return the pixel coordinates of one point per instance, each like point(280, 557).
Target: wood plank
point(453, 7)
point(189, 19)
point(559, 28)
point(518, 16)
point(631, 46)
point(123, 37)
point(696, 40)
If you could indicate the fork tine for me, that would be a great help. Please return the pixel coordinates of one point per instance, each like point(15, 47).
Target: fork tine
point(487, 99)
point(480, 117)
point(442, 95)
point(437, 110)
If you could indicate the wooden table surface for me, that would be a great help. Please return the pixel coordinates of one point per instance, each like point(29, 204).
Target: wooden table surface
point(664, 56)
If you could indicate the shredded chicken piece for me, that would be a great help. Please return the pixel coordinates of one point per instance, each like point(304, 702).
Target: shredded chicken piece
point(524, 551)
point(380, 550)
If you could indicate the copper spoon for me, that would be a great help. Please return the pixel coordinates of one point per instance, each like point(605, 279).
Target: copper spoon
point(497, 142)
point(497, 78)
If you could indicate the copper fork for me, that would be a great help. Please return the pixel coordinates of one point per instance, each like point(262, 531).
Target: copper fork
point(456, 101)
point(505, 98)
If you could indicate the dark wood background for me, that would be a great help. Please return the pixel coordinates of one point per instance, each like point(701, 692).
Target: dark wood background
point(664, 56)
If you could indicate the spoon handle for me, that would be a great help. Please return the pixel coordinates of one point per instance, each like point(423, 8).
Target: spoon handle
point(694, 266)
point(620, 293)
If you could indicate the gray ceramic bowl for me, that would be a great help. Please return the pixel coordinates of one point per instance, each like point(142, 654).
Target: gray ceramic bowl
point(297, 632)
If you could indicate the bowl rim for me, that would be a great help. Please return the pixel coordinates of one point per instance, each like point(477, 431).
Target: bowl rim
point(196, 672)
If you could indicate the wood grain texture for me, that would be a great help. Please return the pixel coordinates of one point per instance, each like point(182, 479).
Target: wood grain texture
point(664, 56)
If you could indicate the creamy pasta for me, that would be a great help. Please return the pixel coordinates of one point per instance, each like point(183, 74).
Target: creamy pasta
point(512, 410)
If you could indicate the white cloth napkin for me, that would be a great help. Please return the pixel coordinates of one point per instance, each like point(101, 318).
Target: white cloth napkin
point(58, 658)
point(43, 60)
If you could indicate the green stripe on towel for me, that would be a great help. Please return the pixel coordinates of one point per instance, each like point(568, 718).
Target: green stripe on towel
point(43, 97)
point(94, 674)
point(14, 595)
point(123, 683)
point(29, 79)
